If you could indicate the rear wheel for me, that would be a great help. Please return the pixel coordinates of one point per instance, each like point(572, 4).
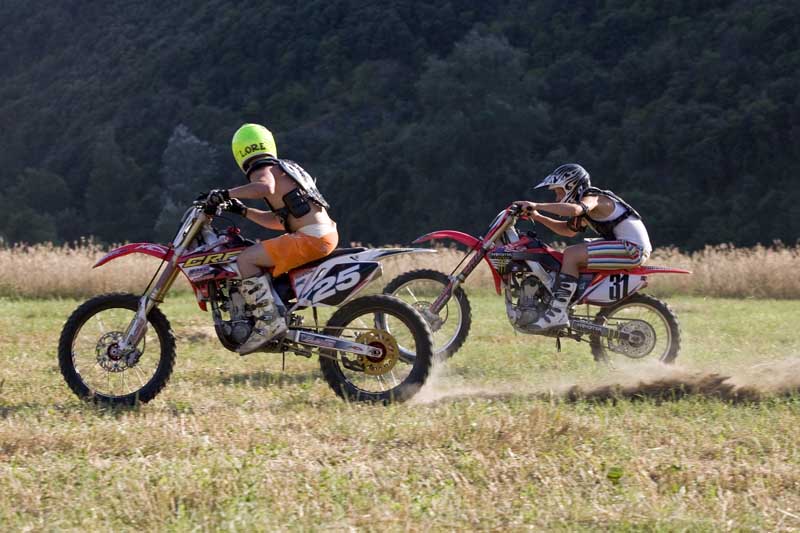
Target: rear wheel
point(383, 322)
point(93, 365)
point(450, 327)
point(652, 331)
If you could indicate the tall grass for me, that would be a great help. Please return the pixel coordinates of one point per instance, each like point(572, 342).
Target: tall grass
point(49, 271)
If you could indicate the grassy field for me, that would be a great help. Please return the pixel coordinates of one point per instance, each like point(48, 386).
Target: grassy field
point(235, 444)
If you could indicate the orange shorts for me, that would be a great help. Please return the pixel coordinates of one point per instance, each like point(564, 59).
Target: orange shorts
point(291, 250)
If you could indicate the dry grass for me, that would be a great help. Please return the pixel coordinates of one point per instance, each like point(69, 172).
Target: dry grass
point(47, 271)
point(729, 272)
point(233, 444)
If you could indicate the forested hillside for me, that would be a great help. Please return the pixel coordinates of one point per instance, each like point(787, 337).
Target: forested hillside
point(414, 115)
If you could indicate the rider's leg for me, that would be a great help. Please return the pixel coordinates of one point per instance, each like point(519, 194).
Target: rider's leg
point(575, 257)
point(282, 253)
point(566, 284)
point(257, 293)
point(253, 260)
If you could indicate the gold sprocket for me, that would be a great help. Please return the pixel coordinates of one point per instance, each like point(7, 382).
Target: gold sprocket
point(378, 338)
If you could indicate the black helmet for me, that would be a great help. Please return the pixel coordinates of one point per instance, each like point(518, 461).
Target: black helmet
point(571, 177)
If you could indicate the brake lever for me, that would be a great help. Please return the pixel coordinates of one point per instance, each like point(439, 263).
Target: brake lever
point(514, 210)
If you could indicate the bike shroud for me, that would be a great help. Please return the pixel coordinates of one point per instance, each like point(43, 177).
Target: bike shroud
point(120, 349)
point(524, 269)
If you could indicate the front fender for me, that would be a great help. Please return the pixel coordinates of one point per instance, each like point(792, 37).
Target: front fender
point(466, 239)
point(458, 236)
point(156, 250)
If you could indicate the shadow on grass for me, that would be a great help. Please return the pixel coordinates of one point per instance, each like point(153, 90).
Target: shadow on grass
point(668, 389)
point(263, 378)
point(88, 405)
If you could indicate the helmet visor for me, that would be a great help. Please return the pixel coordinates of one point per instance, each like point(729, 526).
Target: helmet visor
point(551, 182)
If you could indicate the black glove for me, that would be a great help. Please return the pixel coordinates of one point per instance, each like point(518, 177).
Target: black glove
point(217, 196)
point(236, 207)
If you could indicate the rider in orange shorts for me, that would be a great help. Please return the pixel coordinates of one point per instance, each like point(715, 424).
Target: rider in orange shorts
point(296, 206)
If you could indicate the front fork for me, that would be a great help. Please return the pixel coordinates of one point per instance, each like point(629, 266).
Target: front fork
point(458, 279)
point(138, 326)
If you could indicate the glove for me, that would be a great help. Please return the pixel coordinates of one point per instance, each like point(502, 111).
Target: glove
point(236, 207)
point(217, 196)
point(524, 209)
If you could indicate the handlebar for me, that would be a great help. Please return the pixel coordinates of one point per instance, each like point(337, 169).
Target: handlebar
point(516, 210)
point(211, 210)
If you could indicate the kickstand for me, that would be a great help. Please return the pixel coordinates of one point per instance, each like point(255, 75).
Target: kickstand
point(283, 362)
point(558, 344)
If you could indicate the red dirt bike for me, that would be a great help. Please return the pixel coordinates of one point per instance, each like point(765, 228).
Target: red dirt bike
point(119, 348)
point(629, 323)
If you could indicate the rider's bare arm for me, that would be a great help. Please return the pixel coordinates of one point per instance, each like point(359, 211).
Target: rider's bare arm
point(265, 219)
point(262, 184)
point(252, 191)
point(557, 226)
point(562, 209)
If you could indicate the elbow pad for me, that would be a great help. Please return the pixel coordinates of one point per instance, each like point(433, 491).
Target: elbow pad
point(574, 224)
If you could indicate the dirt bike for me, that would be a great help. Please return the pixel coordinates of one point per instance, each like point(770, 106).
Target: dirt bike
point(119, 348)
point(629, 323)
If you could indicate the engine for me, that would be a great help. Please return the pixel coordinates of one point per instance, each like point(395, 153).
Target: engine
point(236, 329)
point(526, 300)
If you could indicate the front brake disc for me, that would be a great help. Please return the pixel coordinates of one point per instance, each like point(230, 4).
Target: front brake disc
point(109, 356)
point(434, 321)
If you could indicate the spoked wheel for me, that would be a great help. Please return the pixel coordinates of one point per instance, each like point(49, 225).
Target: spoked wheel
point(651, 328)
point(96, 368)
point(386, 323)
point(450, 327)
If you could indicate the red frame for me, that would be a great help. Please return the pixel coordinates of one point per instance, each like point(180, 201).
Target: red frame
point(165, 253)
point(476, 244)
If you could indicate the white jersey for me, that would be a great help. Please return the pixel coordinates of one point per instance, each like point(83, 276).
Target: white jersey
point(631, 229)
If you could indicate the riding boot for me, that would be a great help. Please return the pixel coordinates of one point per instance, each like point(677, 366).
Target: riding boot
point(558, 316)
point(257, 293)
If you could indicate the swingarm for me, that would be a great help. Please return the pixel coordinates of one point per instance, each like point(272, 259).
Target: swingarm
point(590, 328)
point(317, 340)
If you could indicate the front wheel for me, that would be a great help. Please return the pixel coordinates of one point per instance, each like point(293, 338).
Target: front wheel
point(383, 322)
point(93, 365)
point(450, 327)
point(652, 328)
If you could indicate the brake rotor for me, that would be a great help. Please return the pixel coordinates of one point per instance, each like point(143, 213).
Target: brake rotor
point(434, 321)
point(640, 342)
point(384, 341)
point(109, 356)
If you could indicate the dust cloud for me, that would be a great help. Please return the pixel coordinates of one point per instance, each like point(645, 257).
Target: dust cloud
point(632, 382)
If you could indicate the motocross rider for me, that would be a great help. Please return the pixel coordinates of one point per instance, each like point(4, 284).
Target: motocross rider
point(295, 206)
point(623, 244)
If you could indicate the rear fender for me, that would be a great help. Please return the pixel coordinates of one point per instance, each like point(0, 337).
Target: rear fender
point(650, 270)
point(339, 279)
point(471, 242)
point(611, 286)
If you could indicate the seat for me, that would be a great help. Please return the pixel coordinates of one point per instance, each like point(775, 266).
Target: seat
point(336, 253)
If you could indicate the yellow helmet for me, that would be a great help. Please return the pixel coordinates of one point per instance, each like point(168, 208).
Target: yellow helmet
point(251, 142)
